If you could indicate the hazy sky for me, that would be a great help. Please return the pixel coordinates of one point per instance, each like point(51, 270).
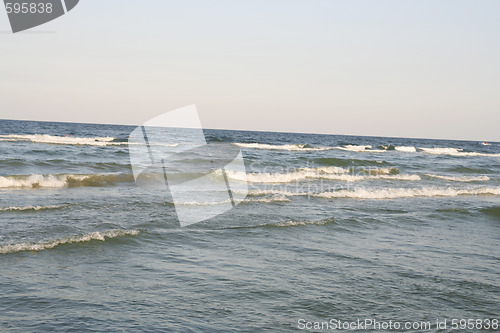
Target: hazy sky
point(387, 68)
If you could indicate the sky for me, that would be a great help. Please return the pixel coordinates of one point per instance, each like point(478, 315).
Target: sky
point(413, 68)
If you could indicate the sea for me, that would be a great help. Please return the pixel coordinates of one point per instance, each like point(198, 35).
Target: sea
point(334, 231)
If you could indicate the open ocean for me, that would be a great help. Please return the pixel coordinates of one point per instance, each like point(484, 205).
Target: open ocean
point(334, 227)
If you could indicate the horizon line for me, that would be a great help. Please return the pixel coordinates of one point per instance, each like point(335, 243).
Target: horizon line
point(263, 131)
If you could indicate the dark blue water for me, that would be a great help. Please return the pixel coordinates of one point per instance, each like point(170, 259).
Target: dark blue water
point(333, 227)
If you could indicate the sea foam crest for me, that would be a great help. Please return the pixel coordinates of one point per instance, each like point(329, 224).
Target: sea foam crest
point(69, 140)
point(98, 236)
point(387, 193)
point(33, 181)
point(30, 208)
point(305, 173)
point(291, 147)
point(45, 138)
point(407, 149)
point(361, 148)
point(299, 223)
point(394, 193)
point(454, 152)
point(58, 181)
point(461, 178)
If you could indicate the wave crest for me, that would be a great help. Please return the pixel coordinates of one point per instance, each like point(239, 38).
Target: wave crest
point(30, 208)
point(59, 181)
point(464, 179)
point(308, 173)
point(97, 236)
point(291, 147)
point(67, 140)
point(386, 193)
point(454, 152)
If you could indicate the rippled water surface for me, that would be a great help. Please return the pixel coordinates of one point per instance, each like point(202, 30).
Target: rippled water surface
point(333, 227)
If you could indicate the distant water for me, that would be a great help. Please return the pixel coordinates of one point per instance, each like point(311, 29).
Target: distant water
point(334, 227)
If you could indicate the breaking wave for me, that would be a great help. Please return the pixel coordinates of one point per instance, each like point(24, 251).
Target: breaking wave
point(461, 178)
point(65, 140)
point(308, 173)
point(389, 193)
point(367, 149)
point(454, 152)
point(274, 198)
point(361, 148)
point(39, 246)
point(300, 223)
point(407, 149)
point(30, 208)
point(285, 224)
point(59, 181)
point(294, 147)
point(79, 141)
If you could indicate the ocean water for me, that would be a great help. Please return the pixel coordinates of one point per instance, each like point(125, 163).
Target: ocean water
point(333, 227)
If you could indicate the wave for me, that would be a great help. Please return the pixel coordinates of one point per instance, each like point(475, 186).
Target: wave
point(492, 211)
point(411, 149)
point(381, 171)
point(361, 148)
point(59, 181)
point(45, 138)
point(368, 149)
point(274, 198)
point(454, 152)
point(300, 223)
point(98, 236)
point(464, 169)
point(330, 161)
point(388, 193)
point(407, 149)
point(30, 208)
point(461, 178)
point(80, 141)
point(285, 224)
point(395, 193)
point(303, 174)
point(292, 147)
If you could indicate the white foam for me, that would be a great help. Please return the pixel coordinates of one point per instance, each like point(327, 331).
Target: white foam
point(48, 181)
point(361, 149)
point(329, 170)
point(394, 193)
point(298, 223)
point(29, 208)
point(33, 181)
point(454, 152)
point(303, 174)
point(355, 148)
point(68, 140)
point(99, 236)
point(407, 149)
point(294, 147)
point(274, 198)
point(387, 193)
point(461, 178)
